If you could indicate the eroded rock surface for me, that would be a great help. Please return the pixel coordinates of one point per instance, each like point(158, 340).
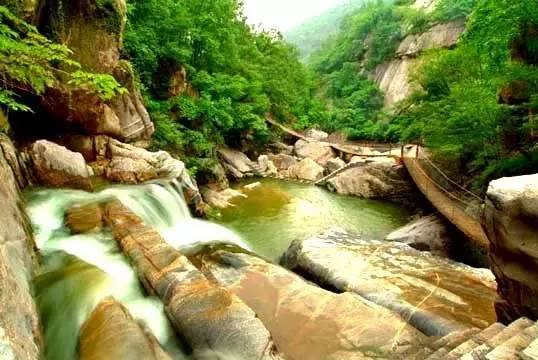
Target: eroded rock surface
point(211, 319)
point(237, 164)
point(84, 218)
point(429, 233)
point(511, 215)
point(308, 322)
point(56, 166)
point(111, 333)
point(317, 135)
point(283, 161)
point(306, 169)
point(320, 152)
point(20, 336)
point(437, 295)
point(382, 180)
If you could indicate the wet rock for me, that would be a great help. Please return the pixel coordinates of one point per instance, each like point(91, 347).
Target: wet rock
point(111, 333)
point(437, 295)
point(308, 322)
point(429, 233)
point(56, 166)
point(382, 180)
point(283, 161)
point(511, 215)
point(221, 199)
point(20, 336)
point(266, 166)
point(334, 164)
point(306, 169)
point(320, 152)
point(317, 135)
point(86, 218)
point(209, 317)
point(237, 163)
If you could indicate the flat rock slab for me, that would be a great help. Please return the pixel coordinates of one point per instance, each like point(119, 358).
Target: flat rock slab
point(308, 322)
point(212, 320)
point(111, 333)
point(437, 295)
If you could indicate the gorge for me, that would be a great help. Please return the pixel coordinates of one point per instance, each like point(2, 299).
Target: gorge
point(163, 197)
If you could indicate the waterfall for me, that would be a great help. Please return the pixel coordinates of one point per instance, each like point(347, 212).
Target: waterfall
point(79, 271)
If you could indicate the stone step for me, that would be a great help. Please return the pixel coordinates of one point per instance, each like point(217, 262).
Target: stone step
point(510, 349)
point(477, 340)
point(531, 352)
point(447, 343)
point(480, 352)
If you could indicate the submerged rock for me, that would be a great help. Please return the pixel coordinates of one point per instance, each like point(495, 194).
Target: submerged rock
point(212, 320)
point(320, 152)
point(382, 179)
point(511, 215)
point(111, 333)
point(221, 199)
point(308, 322)
point(306, 169)
point(81, 219)
point(429, 233)
point(20, 335)
point(437, 295)
point(56, 166)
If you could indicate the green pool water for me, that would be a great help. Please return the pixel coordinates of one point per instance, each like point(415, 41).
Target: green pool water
point(278, 212)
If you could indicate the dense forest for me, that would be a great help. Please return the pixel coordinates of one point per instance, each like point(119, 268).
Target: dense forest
point(473, 105)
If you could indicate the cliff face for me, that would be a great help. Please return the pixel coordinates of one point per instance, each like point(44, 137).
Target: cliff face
point(512, 224)
point(393, 77)
point(19, 324)
point(93, 30)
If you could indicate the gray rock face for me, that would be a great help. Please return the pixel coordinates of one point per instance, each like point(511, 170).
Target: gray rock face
point(317, 135)
point(377, 180)
point(437, 295)
point(56, 166)
point(428, 233)
point(20, 336)
point(511, 216)
point(306, 169)
point(237, 163)
point(111, 333)
point(393, 77)
point(213, 321)
point(283, 161)
point(320, 152)
point(334, 164)
point(306, 321)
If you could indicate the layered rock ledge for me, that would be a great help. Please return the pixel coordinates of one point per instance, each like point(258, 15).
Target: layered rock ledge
point(212, 320)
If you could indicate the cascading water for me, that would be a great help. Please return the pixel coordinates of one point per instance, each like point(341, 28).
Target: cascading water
point(79, 271)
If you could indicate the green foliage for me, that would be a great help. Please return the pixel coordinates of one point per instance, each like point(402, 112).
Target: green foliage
point(29, 62)
point(310, 36)
point(447, 10)
point(240, 75)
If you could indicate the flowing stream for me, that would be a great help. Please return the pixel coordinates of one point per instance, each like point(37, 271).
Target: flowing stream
point(79, 271)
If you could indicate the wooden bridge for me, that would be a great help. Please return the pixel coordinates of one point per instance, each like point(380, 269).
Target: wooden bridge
point(458, 205)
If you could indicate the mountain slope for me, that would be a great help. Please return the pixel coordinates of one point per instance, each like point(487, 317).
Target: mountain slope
point(309, 36)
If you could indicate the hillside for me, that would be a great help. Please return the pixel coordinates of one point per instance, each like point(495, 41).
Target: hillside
point(310, 35)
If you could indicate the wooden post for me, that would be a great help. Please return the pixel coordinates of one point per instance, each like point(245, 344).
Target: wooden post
point(418, 147)
point(402, 151)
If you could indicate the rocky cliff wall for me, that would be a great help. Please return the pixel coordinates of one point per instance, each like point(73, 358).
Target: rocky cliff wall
point(511, 216)
point(393, 77)
point(19, 324)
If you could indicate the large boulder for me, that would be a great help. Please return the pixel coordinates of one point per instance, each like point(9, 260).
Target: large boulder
point(111, 333)
point(237, 163)
point(93, 30)
point(334, 164)
point(84, 218)
point(428, 233)
point(320, 152)
point(437, 295)
point(306, 169)
point(20, 335)
point(283, 161)
point(266, 166)
point(213, 321)
point(306, 321)
point(511, 216)
point(382, 180)
point(317, 135)
point(54, 165)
